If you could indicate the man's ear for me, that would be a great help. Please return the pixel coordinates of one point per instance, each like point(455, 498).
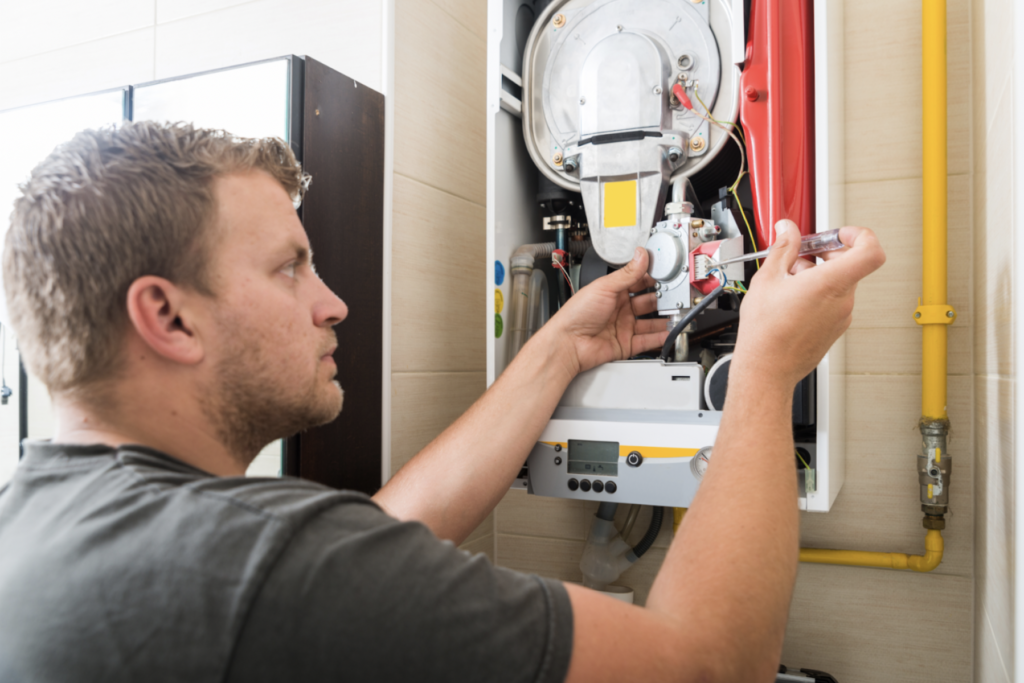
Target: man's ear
point(155, 308)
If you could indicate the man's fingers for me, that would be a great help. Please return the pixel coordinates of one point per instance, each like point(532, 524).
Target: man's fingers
point(630, 275)
point(786, 249)
point(864, 256)
point(801, 264)
point(646, 342)
point(644, 303)
point(648, 326)
point(646, 282)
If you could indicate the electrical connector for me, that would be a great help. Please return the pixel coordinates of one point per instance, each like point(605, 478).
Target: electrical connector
point(701, 266)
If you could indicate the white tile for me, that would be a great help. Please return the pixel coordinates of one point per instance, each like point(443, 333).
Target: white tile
point(994, 505)
point(996, 54)
point(993, 252)
point(98, 65)
point(31, 28)
point(346, 35)
point(173, 10)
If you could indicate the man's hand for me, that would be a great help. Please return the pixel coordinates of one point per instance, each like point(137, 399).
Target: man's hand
point(795, 310)
point(598, 324)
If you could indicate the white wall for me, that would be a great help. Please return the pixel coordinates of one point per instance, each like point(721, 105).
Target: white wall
point(995, 126)
point(57, 48)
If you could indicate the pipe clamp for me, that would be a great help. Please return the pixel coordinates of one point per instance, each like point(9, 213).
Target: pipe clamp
point(937, 314)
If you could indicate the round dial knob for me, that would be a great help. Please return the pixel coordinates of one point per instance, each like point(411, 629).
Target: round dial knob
point(665, 256)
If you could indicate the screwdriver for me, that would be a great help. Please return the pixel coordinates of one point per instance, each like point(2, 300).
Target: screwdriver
point(810, 245)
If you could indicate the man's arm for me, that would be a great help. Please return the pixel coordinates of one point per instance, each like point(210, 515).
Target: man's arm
point(454, 483)
point(718, 607)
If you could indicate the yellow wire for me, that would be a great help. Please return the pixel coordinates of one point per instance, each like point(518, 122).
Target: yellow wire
point(806, 466)
point(750, 231)
point(732, 190)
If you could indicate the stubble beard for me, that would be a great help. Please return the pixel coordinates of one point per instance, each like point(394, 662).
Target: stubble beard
point(250, 405)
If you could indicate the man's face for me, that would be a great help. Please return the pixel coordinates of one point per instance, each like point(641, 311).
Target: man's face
point(269, 339)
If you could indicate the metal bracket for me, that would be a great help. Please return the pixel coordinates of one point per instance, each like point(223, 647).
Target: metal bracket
point(937, 314)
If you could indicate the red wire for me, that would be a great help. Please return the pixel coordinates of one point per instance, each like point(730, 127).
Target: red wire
point(566, 276)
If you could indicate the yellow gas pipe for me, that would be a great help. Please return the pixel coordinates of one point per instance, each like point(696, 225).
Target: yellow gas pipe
point(933, 313)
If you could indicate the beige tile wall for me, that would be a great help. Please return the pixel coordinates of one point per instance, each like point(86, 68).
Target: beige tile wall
point(994, 127)
point(438, 233)
point(858, 624)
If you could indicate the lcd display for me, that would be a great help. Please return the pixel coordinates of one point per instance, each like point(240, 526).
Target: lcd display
point(596, 458)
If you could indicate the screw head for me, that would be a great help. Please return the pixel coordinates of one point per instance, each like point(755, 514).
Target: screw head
point(697, 144)
point(557, 159)
point(619, 28)
point(558, 21)
point(658, 294)
point(949, 314)
point(570, 166)
point(917, 315)
point(583, 100)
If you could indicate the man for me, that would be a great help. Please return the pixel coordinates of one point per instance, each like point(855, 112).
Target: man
point(161, 286)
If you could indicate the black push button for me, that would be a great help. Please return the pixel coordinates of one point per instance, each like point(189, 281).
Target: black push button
point(585, 485)
point(610, 487)
point(598, 486)
point(634, 459)
point(573, 484)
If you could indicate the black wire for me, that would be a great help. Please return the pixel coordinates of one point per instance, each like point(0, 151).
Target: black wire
point(670, 341)
point(653, 530)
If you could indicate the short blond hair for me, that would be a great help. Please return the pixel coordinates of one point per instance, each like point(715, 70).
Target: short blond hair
point(103, 209)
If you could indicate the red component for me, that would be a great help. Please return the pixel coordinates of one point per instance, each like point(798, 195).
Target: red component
point(681, 95)
point(559, 257)
point(708, 284)
point(779, 118)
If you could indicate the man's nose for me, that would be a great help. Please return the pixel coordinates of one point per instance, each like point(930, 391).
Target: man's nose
point(330, 309)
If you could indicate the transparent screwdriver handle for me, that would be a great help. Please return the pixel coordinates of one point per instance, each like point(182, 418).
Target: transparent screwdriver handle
point(820, 242)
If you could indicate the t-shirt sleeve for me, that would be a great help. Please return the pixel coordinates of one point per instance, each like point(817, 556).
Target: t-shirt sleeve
point(359, 596)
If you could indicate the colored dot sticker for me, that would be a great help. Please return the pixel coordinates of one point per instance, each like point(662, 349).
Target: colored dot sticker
point(499, 326)
point(499, 301)
point(499, 273)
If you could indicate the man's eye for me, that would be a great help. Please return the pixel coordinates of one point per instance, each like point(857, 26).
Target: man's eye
point(289, 270)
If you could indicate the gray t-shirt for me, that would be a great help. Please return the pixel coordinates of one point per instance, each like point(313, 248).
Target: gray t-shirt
point(128, 565)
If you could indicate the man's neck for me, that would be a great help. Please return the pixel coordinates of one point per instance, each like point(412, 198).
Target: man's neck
point(180, 431)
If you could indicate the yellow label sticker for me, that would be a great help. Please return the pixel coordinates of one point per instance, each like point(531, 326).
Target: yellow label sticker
point(646, 451)
point(620, 204)
point(499, 301)
point(930, 491)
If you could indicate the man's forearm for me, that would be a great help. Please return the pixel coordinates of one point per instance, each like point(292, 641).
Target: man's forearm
point(483, 451)
point(741, 537)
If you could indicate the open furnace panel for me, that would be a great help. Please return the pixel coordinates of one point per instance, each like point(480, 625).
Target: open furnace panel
point(688, 128)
